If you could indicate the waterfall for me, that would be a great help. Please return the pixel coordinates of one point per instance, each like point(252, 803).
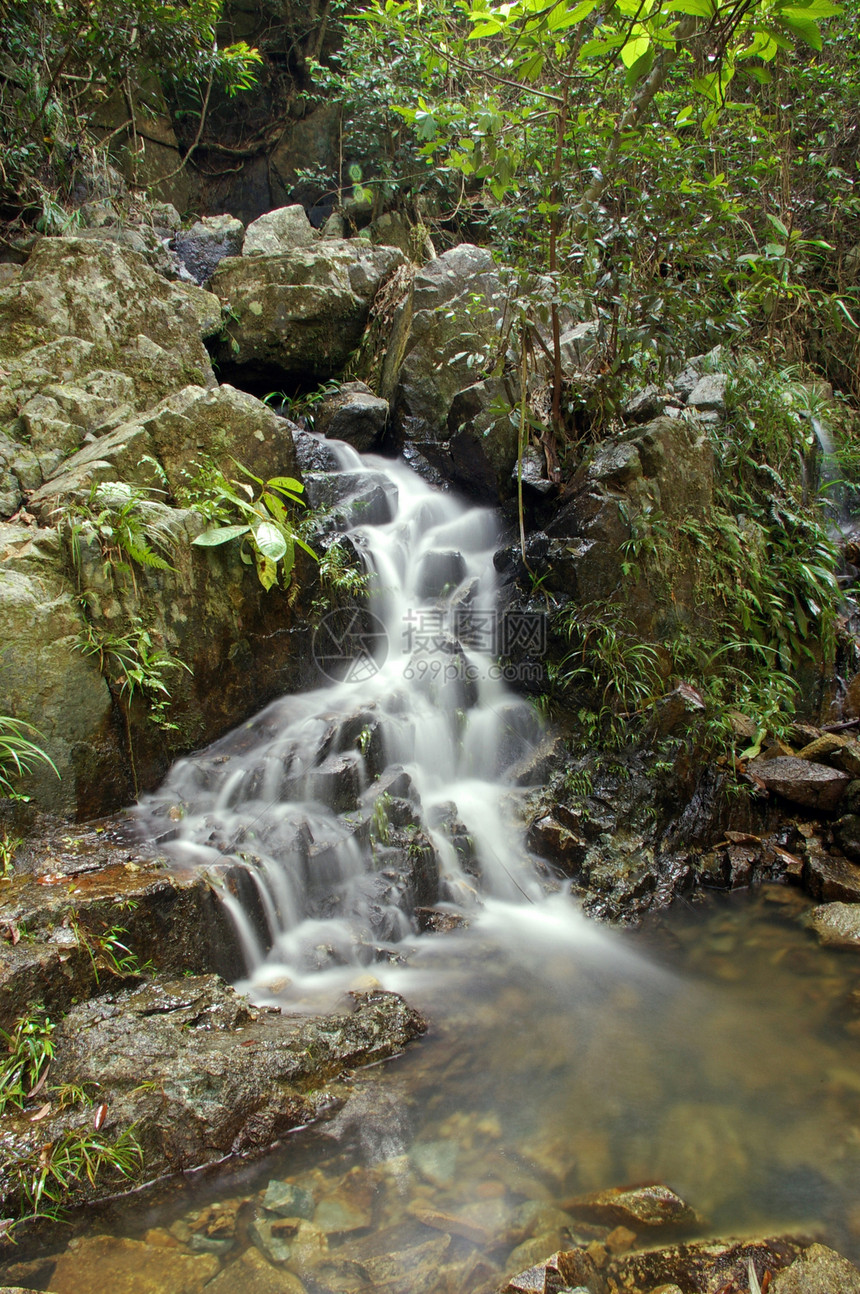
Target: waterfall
point(393, 783)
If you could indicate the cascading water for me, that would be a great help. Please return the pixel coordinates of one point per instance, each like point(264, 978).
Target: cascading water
point(415, 727)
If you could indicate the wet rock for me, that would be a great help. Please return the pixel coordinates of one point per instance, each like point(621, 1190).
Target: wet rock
point(847, 834)
point(701, 1268)
point(564, 1270)
point(828, 877)
point(549, 839)
point(285, 229)
point(440, 920)
point(440, 570)
point(354, 414)
point(814, 785)
point(251, 1274)
point(677, 709)
point(312, 453)
point(643, 1208)
point(818, 1271)
point(837, 925)
point(350, 1207)
point(206, 243)
point(95, 1264)
point(353, 498)
point(300, 314)
point(201, 1076)
point(408, 1271)
point(274, 1237)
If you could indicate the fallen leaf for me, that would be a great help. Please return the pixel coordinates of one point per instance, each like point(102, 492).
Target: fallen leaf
point(99, 1115)
point(42, 1113)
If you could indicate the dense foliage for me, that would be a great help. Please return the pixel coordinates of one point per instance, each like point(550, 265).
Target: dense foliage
point(685, 169)
point(69, 65)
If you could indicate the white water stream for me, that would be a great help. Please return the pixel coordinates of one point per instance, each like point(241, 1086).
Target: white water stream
point(419, 724)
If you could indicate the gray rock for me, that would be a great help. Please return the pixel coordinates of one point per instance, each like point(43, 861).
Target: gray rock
point(283, 230)
point(482, 440)
point(577, 343)
point(837, 924)
point(645, 405)
point(709, 393)
point(457, 301)
point(818, 1271)
point(814, 785)
point(206, 243)
point(354, 414)
point(298, 316)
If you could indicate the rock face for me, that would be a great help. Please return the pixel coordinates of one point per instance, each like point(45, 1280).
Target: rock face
point(104, 379)
point(298, 316)
point(666, 466)
point(455, 304)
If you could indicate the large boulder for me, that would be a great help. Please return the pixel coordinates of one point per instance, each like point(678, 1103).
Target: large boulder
point(454, 315)
point(298, 316)
point(89, 334)
point(665, 468)
point(171, 442)
point(281, 230)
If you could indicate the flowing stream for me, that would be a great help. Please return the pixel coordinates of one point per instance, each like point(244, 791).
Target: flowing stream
point(718, 1050)
point(414, 729)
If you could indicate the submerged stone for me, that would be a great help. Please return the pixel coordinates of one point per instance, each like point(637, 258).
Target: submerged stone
point(288, 1200)
point(642, 1208)
point(837, 925)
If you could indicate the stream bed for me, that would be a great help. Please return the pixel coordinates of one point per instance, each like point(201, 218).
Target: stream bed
point(716, 1050)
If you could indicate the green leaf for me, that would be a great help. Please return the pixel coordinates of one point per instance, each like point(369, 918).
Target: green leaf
point(634, 50)
point(270, 541)
point(696, 8)
point(267, 571)
point(777, 224)
point(286, 483)
point(806, 28)
point(219, 535)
